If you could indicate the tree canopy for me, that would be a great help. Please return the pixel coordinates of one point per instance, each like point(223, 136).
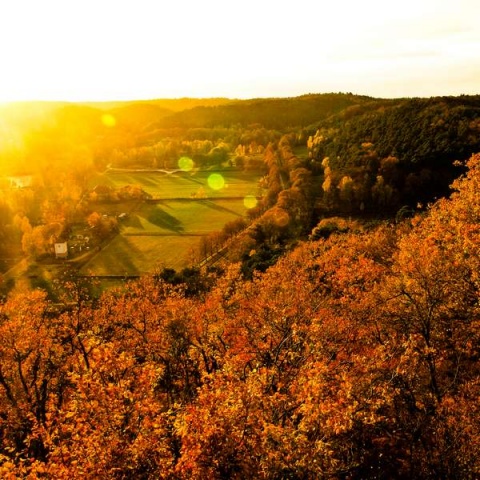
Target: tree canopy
point(354, 356)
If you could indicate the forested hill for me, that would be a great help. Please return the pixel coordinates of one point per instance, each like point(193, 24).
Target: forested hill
point(170, 104)
point(411, 143)
point(413, 130)
point(274, 113)
point(408, 145)
point(349, 350)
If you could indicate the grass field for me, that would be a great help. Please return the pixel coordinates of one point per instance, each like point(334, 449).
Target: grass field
point(166, 232)
point(182, 216)
point(183, 184)
point(136, 255)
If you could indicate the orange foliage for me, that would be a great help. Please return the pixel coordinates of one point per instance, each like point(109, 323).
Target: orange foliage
point(352, 357)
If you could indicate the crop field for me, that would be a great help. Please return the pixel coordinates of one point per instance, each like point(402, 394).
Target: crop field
point(166, 230)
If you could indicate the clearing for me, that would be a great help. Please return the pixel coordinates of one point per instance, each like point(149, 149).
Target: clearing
point(165, 230)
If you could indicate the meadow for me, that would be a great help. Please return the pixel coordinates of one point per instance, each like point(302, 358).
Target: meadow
point(135, 255)
point(182, 217)
point(183, 184)
point(165, 230)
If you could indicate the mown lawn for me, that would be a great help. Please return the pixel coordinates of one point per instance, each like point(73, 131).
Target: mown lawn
point(183, 184)
point(182, 216)
point(167, 232)
point(136, 255)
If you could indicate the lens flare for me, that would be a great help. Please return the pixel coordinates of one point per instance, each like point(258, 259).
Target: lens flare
point(216, 181)
point(185, 164)
point(250, 201)
point(109, 120)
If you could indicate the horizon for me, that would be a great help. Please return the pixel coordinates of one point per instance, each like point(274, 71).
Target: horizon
point(156, 99)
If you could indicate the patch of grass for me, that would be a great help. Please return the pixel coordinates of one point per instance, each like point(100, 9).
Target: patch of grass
point(137, 255)
point(164, 234)
point(168, 217)
point(182, 184)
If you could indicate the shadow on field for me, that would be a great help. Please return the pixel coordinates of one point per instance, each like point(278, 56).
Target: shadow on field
point(219, 208)
point(121, 257)
point(115, 259)
point(146, 181)
point(162, 219)
point(133, 221)
point(191, 178)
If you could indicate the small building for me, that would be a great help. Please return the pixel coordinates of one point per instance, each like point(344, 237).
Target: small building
point(21, 181)
point(61, 250)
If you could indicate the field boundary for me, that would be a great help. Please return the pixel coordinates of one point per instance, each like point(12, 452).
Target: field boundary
point(161, 234)
point(107, 277)
point(189, 199)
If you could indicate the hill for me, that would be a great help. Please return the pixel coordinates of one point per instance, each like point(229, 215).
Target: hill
point(273, 113)
point(170, 104)
point(416, 131)
point(411, 143)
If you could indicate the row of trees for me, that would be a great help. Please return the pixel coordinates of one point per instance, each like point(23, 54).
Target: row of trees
point(207, 147)
point(165, 154)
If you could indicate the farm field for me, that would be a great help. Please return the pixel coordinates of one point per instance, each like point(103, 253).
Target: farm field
point(165, 230)
point(136, 255)
point(180, 184)
point(169, 217)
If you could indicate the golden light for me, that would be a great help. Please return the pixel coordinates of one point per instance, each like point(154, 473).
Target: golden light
point(250, 201)
point(109, 120)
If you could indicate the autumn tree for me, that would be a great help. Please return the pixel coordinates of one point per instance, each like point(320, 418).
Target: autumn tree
point(352, 356)
point(102, 226)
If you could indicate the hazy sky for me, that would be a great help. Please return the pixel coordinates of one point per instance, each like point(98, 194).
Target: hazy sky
point(132, 49)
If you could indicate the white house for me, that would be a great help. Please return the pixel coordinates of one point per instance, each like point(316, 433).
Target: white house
point(61, 250)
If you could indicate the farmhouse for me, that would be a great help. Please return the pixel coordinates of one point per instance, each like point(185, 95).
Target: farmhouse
point(61, 250)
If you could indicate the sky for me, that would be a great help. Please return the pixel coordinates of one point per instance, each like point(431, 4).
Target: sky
point(92, 50)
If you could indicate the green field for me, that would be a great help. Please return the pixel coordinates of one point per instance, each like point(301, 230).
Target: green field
point(136, 255)
point(183, 184)
point(164, 233)
point(182, 216)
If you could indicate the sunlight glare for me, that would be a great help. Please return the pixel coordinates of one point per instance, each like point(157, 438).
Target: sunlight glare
point(216, 181)
point(109, 120)
point(250, 201)
point(185, 164)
